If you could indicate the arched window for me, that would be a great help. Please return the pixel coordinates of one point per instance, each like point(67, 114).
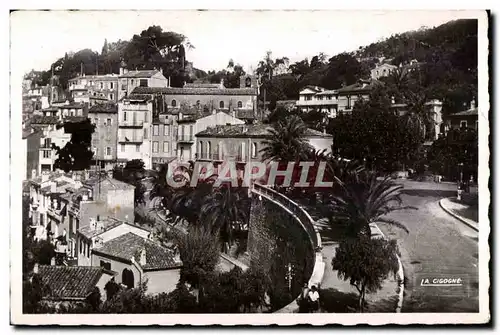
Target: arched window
point(221, 104)
point(174, 103)
point(240, 104)
point(201, 149)
point(128, 278)
point(208, 149)
point(254, 149)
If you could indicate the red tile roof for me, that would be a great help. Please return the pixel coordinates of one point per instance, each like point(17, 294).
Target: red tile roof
point(130, 245)
point(69, 282)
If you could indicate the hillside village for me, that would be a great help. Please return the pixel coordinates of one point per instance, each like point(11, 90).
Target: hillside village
point(100, 219)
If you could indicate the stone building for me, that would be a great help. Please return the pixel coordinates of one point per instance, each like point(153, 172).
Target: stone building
point(105, 136)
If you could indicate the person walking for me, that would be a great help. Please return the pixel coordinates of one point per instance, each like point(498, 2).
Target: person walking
point(314, 299)
point(304, 300)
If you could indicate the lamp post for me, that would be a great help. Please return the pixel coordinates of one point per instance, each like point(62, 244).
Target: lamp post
point(460, 182)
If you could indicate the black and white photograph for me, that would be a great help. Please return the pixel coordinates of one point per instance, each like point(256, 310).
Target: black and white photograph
point(238, 166)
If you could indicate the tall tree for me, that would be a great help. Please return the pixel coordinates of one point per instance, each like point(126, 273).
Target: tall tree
point(76, 155)
point(287, 141)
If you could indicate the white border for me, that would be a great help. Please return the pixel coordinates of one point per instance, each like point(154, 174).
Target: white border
point(259, 319)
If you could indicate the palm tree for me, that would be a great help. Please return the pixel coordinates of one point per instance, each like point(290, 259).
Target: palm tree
point(287, 141)
point(363, 199)
point(225, 210)
point(419, 114)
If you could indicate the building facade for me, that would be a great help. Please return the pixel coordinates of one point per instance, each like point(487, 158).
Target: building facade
point(84, 87)
point(464, 119)
point(135, 119)
point(105, 136)
point(129, 80)
point(382, 70)
point(164, 136)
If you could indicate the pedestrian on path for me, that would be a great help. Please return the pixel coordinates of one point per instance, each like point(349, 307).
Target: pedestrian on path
point(314, 299)
point(304, 300)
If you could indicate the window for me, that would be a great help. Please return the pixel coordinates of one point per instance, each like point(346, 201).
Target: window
point(108, 122)
point(46, 154)
point(96, 121)
point(95, 94)
point(463, 124)
point(143, 82)
point(131, 81)
point(156, 130)
point(202, 152)
point(308, 97)
point(348, 102)
point(81, 246)
point(190, 131)
point(209, 149)
point(111, 85)
point(155, 146)
point(88, 250)
point(174, 103)
point(166, 147)
point(124, 116)
point(221, 104)
point(111, 96)
point(166, 130)
point(137, 148)
point(122, 148)
point(254, 150)
point(145, 133)
point(46, 143)
point(108, 151)
point(102, 85)
point(240, 104)
point(106, 265)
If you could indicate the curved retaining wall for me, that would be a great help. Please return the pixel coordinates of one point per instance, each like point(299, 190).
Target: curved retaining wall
point(307, 224)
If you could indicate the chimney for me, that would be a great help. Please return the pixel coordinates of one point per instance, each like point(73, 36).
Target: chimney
point(142, 258)
point(35, 268)
point(473, 104)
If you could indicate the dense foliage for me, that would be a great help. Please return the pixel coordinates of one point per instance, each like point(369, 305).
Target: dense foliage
point(76, 155)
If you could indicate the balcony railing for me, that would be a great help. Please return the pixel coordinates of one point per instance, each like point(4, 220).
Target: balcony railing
point(131, 123)
point(130, 139)
point(185, 138)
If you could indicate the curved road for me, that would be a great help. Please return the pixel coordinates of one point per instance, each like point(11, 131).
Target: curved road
point(437, 245)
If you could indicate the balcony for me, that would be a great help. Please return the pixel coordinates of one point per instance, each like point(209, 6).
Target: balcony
point(185, 138)
point(131, 123)
point(122, 139)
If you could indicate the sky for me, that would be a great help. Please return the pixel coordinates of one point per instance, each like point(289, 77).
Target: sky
point(39, 38)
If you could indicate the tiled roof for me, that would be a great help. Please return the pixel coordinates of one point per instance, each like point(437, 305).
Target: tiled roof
point(469, 112)
point(104, 108)
point(201, 85)
point(72, 105)
point(359, 87)
point(97, 77)
point(107, 183)
point(42, 119)
point(140, 97)
point(199, 91)
point(69, 282)
point(106, 224)
point(130, 245)
point(75, 118)
point(254, 130)
point(139, 74)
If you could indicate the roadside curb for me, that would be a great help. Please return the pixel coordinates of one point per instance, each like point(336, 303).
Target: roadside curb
point(400, 276)
point(456, 216)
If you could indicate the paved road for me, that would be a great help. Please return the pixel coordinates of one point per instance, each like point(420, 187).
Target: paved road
point(437, 244)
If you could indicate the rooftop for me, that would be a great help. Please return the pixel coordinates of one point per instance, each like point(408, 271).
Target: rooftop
point(131, 245)
point(97, 77)
point(201, 85)
point(253, 130)
point(199, 91)
point(107, 183)
point(104, 108)
point(360, 86)
point(469, 112)
point(69, 282)
point(42, 119)
point(139, 74)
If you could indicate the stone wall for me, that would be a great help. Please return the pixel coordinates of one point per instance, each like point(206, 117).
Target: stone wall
point(276, 243)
